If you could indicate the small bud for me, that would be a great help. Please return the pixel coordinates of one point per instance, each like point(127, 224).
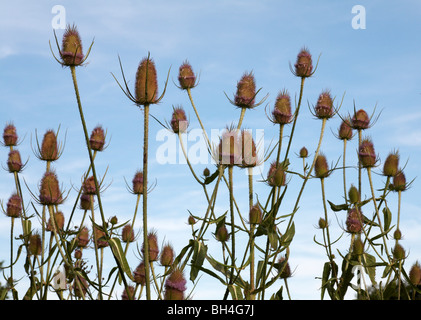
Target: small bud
point(354, 221)
point(276, 175)
point(321, 168)
point(59, 221)
point(127, 234)
point(398, 252)
point(358, 246)
point(138, 183)
point(167, 256)
point(14, 206)
point(399, 182)
point(89, 187)
point(71, 51)
point(35, 246)
point(303, 152)
point(146, 86)
point(179, 121)
point(206, 172)
point(153, 247)
point(97, 139)
point(82, 237)
point(78, 254)
point(14, 162)
point(10, 137)
point(397, 234)
point(322, 223)
point(186, 76)
point(191, 220)
point(49, 190)
point(255, 214)
point(360, 120)
point(49, 148)
point(354, 195)
point(286, 270)
point(304, 64)
point(139, 275)
point(415, 274)
point(391, 165)
point(175, 285)
point(345, 130)
point(85, 201)
point(114, 220)
point(367, 154)
point(221, 233)
point(246, 91)
point(324, 106)
point(281, 114)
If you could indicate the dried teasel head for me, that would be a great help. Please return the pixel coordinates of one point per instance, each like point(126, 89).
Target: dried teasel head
point(49, 150)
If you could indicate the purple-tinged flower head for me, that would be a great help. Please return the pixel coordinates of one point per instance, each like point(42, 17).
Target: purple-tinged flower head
point(35, 244)
point(360, 120)
point(167, 256)
point(146, 86)
point(276, 175)
point(304, 64)
point(85, 201)
point(399, 182)
point(49, 192)
point(179, 121)
point(248, 150)
point(229, 149)
point(281, 113)
point(14, 206)
point(175, 286)
point(139, 274)
point(10, 137)
point(83, 237)
point(391, 165)
point(14, 162)
point(367, 154)
point(89, 187)
point(345, 130)
point(127, 234)
point(324, 106)
point(415, 274)
point(138, 183)
point(246, 91)
point(58, 221)
point(285, 268)
point(49, 147)
point(71, 50)
point(354, 221)
point(97, 139)
point(152, 246)
point(128, 295)
point(321, 167)
point(186, 76)
point(255, 215)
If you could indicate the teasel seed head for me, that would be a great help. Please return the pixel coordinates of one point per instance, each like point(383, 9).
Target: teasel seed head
point(85, 201)
point(304, 64)
point(49, 193)
point(354, 221)
point(415, 274)
point(391, 165)
point(10, 137)
point(138, 183)
point(89, 187)
point(146, 86)
point(321, 167)
point(324, 106)
point(71, 51)
point(354, 195)
point(186, 76)
point(286, 272)
point(82, 237)
point(246, 91)
point(360, 120)
point(14, 162)
point(152, 246)
point(130, 295)
point(221, 233)
point(399, 182)
point(255, 215)
point(14, 206)
point(139, 274)
point(35, 245)
point(49, 147)
point(59, 221)
point(167, 256)
point(398, 252)
point(281, 113)
point(276, 175)
point(175, 286)
point(367, 154)
point(179, 121)
point(97, 139)
point(127, 234)
point(345, 130)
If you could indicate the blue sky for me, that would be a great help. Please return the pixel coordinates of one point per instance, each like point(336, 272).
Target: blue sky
point(378, 65)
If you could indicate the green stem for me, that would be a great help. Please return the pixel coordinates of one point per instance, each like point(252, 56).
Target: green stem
point(344, 172)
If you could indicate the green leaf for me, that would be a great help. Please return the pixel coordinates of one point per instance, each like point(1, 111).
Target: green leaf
point(325, 277)
point(288, 236)
point(199, 255)
point(339, 207)
point(118, 252)
point(236, 292)
point(387, 218)
point(212, 177)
